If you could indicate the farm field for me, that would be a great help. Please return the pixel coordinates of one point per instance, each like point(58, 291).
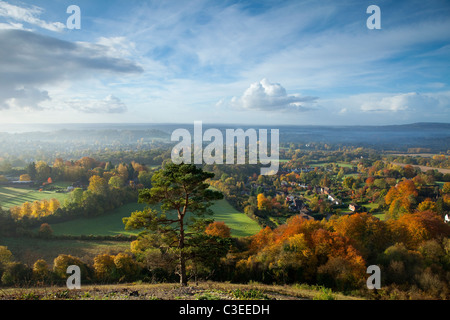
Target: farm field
point(341, 164)
point(16, 196)
point(423, 168)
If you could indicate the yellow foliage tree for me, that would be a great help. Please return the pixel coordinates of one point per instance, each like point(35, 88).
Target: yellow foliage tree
point(263, 203)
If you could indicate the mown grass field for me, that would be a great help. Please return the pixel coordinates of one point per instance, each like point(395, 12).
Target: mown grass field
point(111, 224)
point(341, 164)
point(16, 196)
point(241, 225)
point(106, 225)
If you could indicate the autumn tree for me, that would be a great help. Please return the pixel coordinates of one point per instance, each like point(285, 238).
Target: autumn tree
point(6, 258)
point(180, 188)
point(105, 268)
point(63, 261)
point(414, 229)
point(87, 163)
point(25, 177)
point(41, 270)
point(446, 188)
point(263, 203)
point(126, 267)
point(98, 185)
point(401, 198)
point(369, 234)
point(219, 229)
point(427, 205)
point(45, 230)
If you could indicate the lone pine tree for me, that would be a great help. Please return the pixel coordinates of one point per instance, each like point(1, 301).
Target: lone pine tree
point(184, 200)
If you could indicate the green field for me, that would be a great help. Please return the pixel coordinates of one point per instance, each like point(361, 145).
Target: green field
point(105, 225)
point(241, 225)
point(111, 224)
point(16, 196)
point(341, 164)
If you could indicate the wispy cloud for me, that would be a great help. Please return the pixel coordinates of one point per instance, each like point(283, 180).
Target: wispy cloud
point(400, 102)
point(110, 104)
point(28, 15)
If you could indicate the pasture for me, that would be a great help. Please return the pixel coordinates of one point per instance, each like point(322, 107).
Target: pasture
point(16, 196)
point(340, 164)
point(111, 224)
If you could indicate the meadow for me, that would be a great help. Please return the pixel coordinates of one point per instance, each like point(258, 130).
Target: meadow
point(111, 224)
point(16, 196)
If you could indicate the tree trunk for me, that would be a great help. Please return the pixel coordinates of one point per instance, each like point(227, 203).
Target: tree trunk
point(183, 277)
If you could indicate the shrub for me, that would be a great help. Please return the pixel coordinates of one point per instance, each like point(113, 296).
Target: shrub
point(16, 273)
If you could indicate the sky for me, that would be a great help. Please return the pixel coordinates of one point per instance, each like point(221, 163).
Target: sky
point(238, 62)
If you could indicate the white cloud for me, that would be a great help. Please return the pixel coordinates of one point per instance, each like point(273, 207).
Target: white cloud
point(266, 96)
point(118, 47)
point(110, 104)
point(11, 25)
point(410, 101)
point(28, 15)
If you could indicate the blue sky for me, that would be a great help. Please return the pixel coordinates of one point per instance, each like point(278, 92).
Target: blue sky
point(244, 62)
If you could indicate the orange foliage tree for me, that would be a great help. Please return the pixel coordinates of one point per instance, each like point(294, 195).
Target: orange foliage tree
point(414, 229)
point(294, 252)
point(401, 198)
point(218, 229)
point(368, 234)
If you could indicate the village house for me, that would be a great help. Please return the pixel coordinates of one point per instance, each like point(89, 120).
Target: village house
point(333, 199)
point(353, 207)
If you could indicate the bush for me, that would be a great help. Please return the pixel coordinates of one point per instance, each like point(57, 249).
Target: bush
point(324, 294)
point(16, 273)
point(41, 271)
point(104, 267)
point(63, 261)
point(251, 294)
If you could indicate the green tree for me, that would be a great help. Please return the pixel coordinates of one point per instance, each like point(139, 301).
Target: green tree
point(182, 190)
point(31, 170)
point(43, 171)
point(6, 258)
point(116, 182)
point(348, 182)
point(145, 178)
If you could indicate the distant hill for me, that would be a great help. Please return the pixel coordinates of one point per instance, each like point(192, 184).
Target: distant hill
point(433, 136)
